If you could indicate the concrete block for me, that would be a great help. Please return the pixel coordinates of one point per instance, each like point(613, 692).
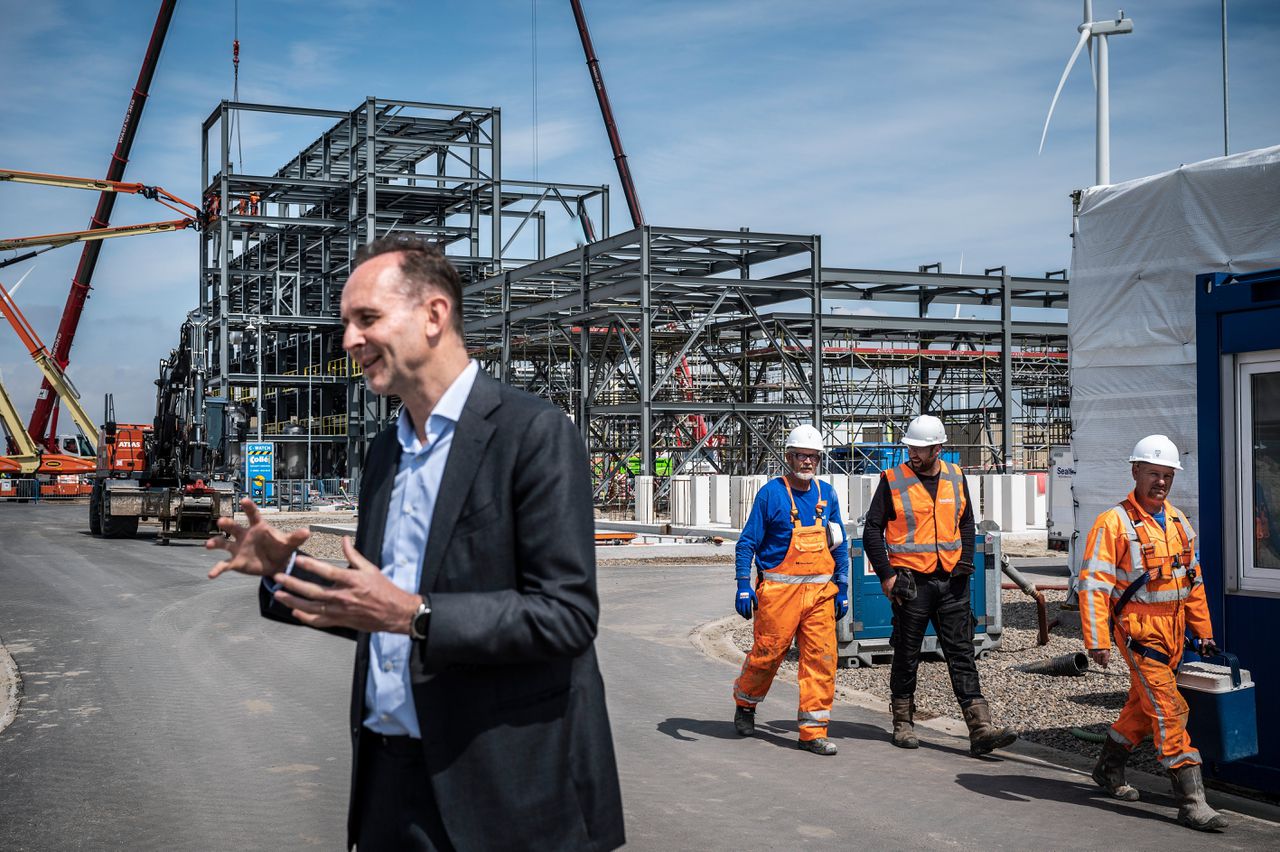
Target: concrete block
point(642, 490)
point(681, 498)
point(975, 496)
point(1035, 500)
point(699, 500)
point(720, 506)
point(839, 483)
point(742, 494)
point(1013, 503)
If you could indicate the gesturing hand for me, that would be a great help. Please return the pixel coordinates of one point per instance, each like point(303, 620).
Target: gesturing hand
point(360, 597)
point(258, 549)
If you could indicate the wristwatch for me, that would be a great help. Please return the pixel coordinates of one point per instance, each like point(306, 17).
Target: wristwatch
point(421, 618)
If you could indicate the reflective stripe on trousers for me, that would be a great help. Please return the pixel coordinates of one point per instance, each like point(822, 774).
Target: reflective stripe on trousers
point(1155, 705)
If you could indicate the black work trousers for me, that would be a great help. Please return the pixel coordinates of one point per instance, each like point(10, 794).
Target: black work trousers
point(398, 811)
point(941, 600)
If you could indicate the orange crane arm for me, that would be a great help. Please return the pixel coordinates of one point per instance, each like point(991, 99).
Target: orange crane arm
point(192, 216)
point(44, 361)
point(155, 193)
point(68, 237)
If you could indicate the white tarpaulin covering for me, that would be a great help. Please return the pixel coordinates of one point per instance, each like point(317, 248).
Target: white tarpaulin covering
point(1131, 324)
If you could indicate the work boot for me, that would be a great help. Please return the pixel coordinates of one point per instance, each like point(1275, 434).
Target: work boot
point(744, 720)
point(904, 729)
point(821, 745)
point(1193, 810)
point(985, 735)
point(1109, 771)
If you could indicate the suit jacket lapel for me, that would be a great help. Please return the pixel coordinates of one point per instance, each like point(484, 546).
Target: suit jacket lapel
point(470, 437)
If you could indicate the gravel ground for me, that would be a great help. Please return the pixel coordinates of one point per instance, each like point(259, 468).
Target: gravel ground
point(1043, 708)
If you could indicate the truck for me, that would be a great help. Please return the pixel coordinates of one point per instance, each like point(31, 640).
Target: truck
point(179, 470)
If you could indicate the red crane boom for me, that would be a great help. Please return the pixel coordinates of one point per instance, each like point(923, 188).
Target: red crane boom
point(43, 426)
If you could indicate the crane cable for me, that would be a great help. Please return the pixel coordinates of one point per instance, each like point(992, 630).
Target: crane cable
point(534, 76)
point(235, 85)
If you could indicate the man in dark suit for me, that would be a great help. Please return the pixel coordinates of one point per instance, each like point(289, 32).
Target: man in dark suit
point(478, 715)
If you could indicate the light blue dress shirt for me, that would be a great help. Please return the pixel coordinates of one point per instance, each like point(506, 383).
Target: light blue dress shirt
point(388, 699)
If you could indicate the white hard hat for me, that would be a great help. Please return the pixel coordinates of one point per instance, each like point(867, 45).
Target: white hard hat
point(925, 431)
point(805, 437)
point(1157, 449)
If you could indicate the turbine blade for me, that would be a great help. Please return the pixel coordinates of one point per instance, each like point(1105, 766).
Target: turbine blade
point(1085, 33)
point(1093, 62)
point(15, 287)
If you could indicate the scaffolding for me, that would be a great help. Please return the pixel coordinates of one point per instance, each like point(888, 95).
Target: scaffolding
point(681, 350)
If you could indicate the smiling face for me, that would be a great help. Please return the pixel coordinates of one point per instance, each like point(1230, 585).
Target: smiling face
point(924, 459)
point(1152, 484)
point(387, 331)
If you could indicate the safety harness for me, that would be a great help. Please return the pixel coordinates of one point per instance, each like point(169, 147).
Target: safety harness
point(1148, 550)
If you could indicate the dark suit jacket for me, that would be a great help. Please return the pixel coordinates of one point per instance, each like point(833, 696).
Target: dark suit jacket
point(508, 694)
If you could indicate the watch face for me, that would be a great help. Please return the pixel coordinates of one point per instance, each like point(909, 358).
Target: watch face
point(419, 625)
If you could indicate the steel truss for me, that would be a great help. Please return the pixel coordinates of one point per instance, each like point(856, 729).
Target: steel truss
point(679, 350)
point(279, 249)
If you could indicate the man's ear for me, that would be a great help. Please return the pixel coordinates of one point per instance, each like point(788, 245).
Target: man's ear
point(437, 315)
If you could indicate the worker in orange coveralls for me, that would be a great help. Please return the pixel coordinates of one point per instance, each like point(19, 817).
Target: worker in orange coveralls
point(1141, 581)
point(796, 538)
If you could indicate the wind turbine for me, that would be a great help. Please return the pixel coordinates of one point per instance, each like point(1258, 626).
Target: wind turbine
point(1090, 30)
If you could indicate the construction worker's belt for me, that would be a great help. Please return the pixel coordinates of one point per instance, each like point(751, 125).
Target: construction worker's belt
point(1146, 651)
point(1128, 595)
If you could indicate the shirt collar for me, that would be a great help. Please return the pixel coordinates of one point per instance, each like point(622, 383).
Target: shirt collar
point(448, 408)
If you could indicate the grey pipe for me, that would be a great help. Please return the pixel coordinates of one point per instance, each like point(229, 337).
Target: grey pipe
point(1016, 576)
point(1068, 665)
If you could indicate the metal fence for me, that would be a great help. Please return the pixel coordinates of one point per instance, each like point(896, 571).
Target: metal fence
point(302, 495)
point(19, 490)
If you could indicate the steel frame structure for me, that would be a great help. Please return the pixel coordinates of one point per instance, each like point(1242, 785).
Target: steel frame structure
point(693, 346)
point(279, 248)
point(673, 349)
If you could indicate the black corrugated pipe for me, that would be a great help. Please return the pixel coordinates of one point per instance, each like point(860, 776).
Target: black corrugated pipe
point(1068, 665)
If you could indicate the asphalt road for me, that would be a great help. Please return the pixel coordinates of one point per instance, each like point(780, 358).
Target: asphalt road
point(160, 712)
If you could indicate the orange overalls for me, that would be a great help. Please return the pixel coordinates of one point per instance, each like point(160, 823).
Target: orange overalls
point(1125, 544)
point(795, 602)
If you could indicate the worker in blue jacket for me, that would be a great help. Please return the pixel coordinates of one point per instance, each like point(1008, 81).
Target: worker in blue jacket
point(796, 538)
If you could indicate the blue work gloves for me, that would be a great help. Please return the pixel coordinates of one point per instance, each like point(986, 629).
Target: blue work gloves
point(842, 600)
point(746, 600)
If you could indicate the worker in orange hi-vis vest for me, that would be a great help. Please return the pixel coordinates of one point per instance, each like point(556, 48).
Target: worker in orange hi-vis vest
point(1141, 582)
point(920, 537)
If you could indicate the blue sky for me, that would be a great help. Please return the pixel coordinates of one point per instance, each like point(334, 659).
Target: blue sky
point(902, 132)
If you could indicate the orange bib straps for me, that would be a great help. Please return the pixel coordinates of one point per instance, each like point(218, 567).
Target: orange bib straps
point(808, 558)
point(924, 533)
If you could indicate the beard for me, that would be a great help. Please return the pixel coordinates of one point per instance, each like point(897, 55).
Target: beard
point(803, 476)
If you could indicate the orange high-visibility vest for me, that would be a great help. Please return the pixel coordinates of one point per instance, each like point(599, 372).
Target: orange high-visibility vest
point(924, 533)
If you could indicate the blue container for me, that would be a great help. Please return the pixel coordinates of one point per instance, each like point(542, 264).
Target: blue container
point(1223, 719)
point(863, 635)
